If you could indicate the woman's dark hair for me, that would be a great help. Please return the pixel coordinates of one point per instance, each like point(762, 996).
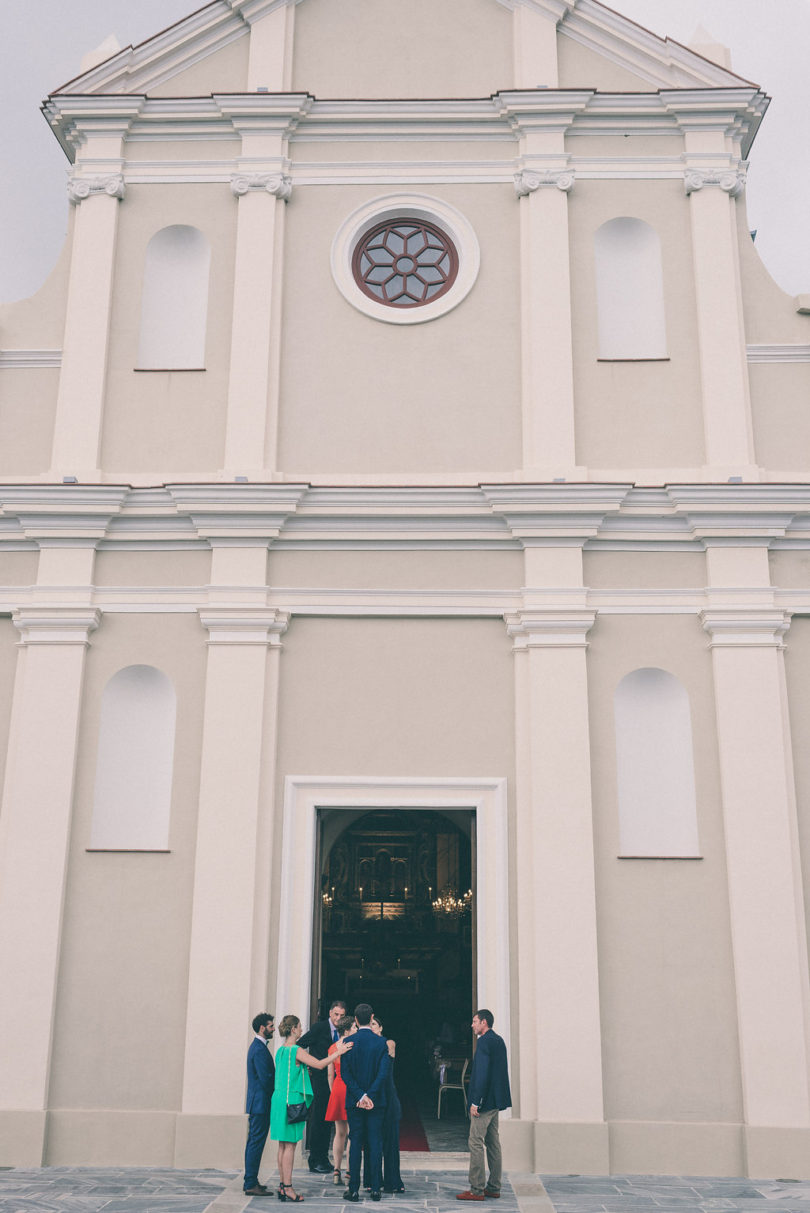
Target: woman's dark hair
point(344, 1023)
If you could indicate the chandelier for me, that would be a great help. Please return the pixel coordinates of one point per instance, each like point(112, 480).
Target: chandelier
point(451, 904)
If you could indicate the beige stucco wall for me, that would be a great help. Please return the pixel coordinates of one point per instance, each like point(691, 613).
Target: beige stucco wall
point(580, 67)
point(632, 570)
point(629, 414)
point(780, 411)
point(9, 637)
point(439, 570)
point(224, 71)
point(27, 411)
point(171, 568)
point(165, 419)
point(120, 1016)
point(361, 395)
point(665, 964)
point(397, 50)
point(797, 673)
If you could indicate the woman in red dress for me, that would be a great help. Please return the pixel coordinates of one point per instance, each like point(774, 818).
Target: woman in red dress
point(336, 1108)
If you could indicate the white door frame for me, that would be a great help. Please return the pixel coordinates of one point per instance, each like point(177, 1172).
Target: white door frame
point(304, 795)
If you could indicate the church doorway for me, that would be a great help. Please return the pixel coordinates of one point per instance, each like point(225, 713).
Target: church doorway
point(394, 925)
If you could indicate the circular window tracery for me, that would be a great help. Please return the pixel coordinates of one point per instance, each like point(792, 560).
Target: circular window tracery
point(405, 263)
point(405, 258)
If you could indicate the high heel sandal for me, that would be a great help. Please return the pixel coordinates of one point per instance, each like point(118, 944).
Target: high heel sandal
point(338, 1179)
point(283, 1195)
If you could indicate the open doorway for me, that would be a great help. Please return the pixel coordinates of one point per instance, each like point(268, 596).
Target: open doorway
point(395, 926)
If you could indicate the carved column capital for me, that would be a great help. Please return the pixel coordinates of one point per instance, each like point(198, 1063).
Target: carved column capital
point(732, 181)
point(529, 180)
point(549, 629)
point(80, 188)
point(246, 625)
point(746, 629)
point(271, 183)
point(56, 625)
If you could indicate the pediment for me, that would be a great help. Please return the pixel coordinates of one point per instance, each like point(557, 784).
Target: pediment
point(622, 45)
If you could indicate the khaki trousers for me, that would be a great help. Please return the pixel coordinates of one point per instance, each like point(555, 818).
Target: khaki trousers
point(484, 1140)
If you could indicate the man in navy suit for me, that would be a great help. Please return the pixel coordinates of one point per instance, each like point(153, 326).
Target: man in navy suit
point(366, 1077)
point(487, 1094)
point(261, 1080)
point(317, 1041)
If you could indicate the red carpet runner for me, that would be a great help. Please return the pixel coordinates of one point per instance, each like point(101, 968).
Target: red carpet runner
point(411, 1134)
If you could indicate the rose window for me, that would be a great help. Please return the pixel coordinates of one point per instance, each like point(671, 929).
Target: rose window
point(405, 263)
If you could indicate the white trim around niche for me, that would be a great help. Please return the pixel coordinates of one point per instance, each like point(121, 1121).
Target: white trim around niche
point(304, 795)
point(405, 206)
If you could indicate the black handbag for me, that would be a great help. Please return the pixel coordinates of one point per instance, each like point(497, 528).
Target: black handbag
point(296, 1112)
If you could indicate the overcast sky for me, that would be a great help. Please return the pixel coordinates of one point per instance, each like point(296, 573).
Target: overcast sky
point(42, 43)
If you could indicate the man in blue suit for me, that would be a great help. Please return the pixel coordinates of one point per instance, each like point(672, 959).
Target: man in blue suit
point(488, 1093)
point(365, 1070)
point(261, 1080)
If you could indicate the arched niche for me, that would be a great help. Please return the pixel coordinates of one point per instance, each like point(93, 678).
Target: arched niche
point(655, 767)
point(132, 801)
point(629, 291)
point(174, 301)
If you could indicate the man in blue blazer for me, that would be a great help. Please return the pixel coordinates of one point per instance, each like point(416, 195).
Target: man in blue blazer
point(488, 1093)
point(365, 1070)
point(261, 1081)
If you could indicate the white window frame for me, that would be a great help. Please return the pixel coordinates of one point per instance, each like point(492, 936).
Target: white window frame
point(405, 206)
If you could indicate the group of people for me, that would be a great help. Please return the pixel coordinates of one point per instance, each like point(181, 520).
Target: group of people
point(341, 1070)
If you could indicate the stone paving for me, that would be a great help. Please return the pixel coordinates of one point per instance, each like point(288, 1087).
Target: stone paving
point(431, 1182)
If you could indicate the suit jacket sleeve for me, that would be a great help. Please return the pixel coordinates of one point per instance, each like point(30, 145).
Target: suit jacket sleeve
point(353, 1091)
point(317, 1040)
point(266, 1071)
point(380, 1084)
point(480, 1077)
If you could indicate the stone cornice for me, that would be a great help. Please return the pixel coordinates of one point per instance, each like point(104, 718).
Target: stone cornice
point(508, 114)
point(504, 516)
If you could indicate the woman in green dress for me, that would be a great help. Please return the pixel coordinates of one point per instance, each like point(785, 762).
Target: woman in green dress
point(292, 1086)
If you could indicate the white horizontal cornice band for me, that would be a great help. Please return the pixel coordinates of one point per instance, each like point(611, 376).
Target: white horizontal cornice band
point(490, 516)
point(775, 353)
point(508, 114)
point(29, 360)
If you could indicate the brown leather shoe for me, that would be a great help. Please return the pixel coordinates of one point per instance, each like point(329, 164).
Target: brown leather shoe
point(468, 1196)
point(259, 1190)
point(490, 1195)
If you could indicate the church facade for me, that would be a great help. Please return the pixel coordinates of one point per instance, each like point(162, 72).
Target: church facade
point(409, 426)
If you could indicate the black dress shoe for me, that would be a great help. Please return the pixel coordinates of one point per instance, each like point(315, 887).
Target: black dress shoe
point(391, 1191)
point(320, 1168)
point(375, 1195)
point(354, 1197)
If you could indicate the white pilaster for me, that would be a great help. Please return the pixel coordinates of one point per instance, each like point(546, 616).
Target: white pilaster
point(82, 381)
point(721, 336)
point(271, 44)
point(559, 1009)
point(535, 44)
point(35, 823)
point(767, 918)
point(543, 183)
point(228, 961)
point(262, 189)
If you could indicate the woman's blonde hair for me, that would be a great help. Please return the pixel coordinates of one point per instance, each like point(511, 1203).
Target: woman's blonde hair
point(287, 1024)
